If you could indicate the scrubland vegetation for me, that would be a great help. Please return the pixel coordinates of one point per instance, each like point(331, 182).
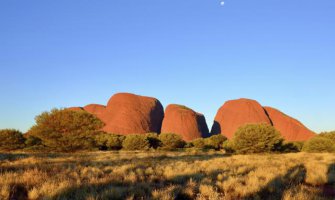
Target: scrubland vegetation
point(67, 156)
point(167, 175)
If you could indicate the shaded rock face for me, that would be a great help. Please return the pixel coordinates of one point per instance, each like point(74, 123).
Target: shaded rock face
point(129, 114)
point(185, 122)
point(290, 128)
point(236, 113)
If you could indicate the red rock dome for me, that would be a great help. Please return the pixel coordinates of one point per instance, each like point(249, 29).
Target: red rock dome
point(236, 113)
point(290, 128)
point(129, 114)
point(96, 109)
point(185, 122)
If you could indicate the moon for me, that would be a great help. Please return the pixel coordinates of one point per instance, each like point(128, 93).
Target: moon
point(222, 3)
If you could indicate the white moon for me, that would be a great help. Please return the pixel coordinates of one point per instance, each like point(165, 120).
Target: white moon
point(222, 3)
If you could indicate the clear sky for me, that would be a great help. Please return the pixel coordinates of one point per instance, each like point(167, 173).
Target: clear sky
point(194, 52)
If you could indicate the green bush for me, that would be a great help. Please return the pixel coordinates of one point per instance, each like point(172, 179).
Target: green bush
point(227, 146)
point(11, 139)
point(256, 138)
point(106, 141)
point(329, 135)
point(319, 144)
point(287, 147)
point(199, 143)
point(215, 141)
point(136, 142)
point(153, 140)
point(33, 141)
point(171, 141)
point(66, 130)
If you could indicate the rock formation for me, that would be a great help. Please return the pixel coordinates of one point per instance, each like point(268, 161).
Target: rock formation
point(185, 122)
point(236, 113)
point(290, 128)
point(128, 114)
point(96, 109)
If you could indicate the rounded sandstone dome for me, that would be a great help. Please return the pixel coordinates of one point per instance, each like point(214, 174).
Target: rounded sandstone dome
point(132, 114)
point(236, 113)
point(184, 121)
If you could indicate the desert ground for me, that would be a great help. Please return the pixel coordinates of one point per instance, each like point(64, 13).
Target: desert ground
point(166, 175)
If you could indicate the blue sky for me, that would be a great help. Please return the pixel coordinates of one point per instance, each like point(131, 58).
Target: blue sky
point(194, 52)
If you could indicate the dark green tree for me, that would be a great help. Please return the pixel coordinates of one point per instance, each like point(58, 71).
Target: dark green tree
point(11, 139)
point(66, 130)
point(256, 138)
point(171, 141)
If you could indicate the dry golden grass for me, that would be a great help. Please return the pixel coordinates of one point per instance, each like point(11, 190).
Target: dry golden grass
point(167, 175)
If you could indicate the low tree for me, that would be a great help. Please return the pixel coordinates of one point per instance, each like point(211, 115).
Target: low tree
point(66, 130)
point(136, 142)
point(319, 144)
point(106, 141)
point(11, 139)
point(256, 138)
point(171, 141)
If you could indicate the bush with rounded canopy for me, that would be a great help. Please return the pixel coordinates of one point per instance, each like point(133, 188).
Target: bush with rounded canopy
point(106, 141)
point(319, 144)
point(329, 135)
point(66, 130)
point(33, 141)
point(171, 141)
point(215, 141)
point(256, 138)
point(199, 143)
point(136, 142)
point(11, 139)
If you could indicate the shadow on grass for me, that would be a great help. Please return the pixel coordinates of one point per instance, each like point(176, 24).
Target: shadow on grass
point(329, 188)
point(276, 188)
point(13, 156)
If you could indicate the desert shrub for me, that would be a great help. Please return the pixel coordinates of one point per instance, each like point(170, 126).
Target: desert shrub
point(227, 146)
point(11, 139)
point(329, 135)
point(136, 142)
point(32, 141)
point(199, 143)
point(287, 147)
point(153, 140)
point(66, 130)
point(319, 144)
point(107, 141)
point(171, 141)
point(256, 138)
point(215, 141)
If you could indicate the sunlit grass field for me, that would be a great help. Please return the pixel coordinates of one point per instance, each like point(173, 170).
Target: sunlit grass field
point(166, 175)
